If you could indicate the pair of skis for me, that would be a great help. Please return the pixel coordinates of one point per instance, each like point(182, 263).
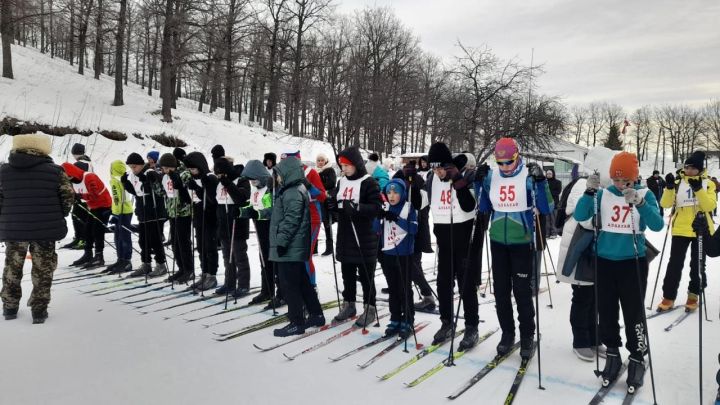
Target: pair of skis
point(605, 390)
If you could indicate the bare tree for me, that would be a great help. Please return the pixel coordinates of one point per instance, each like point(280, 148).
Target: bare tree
point(119, 41)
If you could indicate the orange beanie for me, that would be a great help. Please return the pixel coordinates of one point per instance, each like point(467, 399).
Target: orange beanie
point(624, 165)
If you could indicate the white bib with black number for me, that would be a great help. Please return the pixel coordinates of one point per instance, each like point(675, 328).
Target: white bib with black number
point(616, 213)
point(168, 187)
point(509, 194)
point(137, 185)
point(393, 234)
point(195, 197)
point(350, 189)
point(685, 196)
point(444, 205)
point(222, 195)
point(256, 197)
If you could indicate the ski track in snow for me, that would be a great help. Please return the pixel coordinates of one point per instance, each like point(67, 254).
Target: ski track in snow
point(95, 351)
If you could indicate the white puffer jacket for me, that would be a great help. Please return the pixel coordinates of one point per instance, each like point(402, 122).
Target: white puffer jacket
point(569, 230)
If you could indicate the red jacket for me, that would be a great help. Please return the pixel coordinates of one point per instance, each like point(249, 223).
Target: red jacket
point(317, 193)
point(96, 195)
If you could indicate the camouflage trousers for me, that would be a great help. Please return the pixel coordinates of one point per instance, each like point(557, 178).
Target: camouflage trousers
point(44, 263)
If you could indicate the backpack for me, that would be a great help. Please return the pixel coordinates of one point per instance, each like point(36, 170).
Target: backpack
point(561, 216)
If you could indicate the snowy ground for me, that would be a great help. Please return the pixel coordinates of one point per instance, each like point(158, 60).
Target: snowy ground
point(93, 350)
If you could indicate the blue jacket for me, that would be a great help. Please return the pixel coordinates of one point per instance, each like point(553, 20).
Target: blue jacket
point(514, 228)
point(619, 246)
point(409, 225)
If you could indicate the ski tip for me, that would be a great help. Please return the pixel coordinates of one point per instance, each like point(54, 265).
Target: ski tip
point(289, 357)
point(419, 346)
point(257, 347)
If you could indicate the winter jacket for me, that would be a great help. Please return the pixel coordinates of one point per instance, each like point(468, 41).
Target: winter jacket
point(317, 192)
point(683, 216)
point(418, 198)
point(121, 201)
point(290, 222)
point(148, 192)
point(574, 245)
point(96, 195)
point(555, 187)
point(328, 177)
point(656, 185)
point(614, 245)
point(404, 223)
point(514, 228)
point(712, 244)
point(178, 201)
point(204, 187)
point(370, 204)
point(238, 189)
point(35, 198)
point(378, 173)
point(261, 197)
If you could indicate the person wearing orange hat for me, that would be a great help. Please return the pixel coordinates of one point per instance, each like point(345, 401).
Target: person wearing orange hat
point(624, 210)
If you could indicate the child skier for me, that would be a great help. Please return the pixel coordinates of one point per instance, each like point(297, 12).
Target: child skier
point(259, 209)
point(357, 201)
point(290, 247)
point(512, 192)
point(179, 208)
point(79, 212)
point(232, 193)
point(691, 194)
point(625, 212)
point(398, 226)
point(204, 188)
point(99, 203)
point(144, 183)
point(122, 212)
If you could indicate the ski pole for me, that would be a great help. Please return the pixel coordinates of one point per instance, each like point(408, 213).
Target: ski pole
point(332, 252)
point(450, 361)
point(542, 251)
point(406, 299)
point(489, 268)
point(700, 264)
point(596, 308)
point(537, 295)
point(662, 254)
point(370, 282)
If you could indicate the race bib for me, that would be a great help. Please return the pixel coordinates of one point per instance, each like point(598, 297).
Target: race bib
point(168, 187)
point(685, 197)
point(444, 206)
point(350, 189)
point(617, 216)
point(222, 195)
point(393, 234)
point(509, 194)
point(256, 197)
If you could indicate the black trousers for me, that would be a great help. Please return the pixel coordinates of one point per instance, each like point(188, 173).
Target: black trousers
point(582, 316)
point(268, 278)
point(237, 266)
point(180, 235)
point(151, 242)
point(326, 224)
point(618, 288)
point(511, 270)
point(297, 291)
point(95, 226)
point(206, 240)
point(453, 264)
point(397, 271)
point(79, 218)
point(366, 272)
point(673, 274)
point(418, 276)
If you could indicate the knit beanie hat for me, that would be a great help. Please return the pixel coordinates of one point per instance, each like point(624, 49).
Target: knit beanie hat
point(38, 142)
point(154, 155)
point(217, 151)
point(78, 149)
point(439, 155)
point(179, 154)
point(374, 157)
point(624, 165)
point(223, 166)
point(82, 166)
point(168, 160)
point(134, 159)
point(506, 149)
point(696, 160)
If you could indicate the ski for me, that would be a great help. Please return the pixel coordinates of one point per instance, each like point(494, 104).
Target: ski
point(519, 378)
point(398, 341)
point(678, 321)
point(629, 398)
point(223, 337)
point(492, 365)
point(656, 314)
point(176, 296)
point(304, 335)
point(424, 352)
point(138, 293)
point(225, 311)
point(492, 300)
point(131, 286)
point(444, 363)
point(206, 307)
point(182, 304)
point(603, 391)
point(329, 340)
point(76, 279)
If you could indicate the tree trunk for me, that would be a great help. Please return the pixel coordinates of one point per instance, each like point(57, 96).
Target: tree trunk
point(71, 39)
point(120, 40)
point(166, 62)
point(98, 62)
point(6, 33)
point(128, 46)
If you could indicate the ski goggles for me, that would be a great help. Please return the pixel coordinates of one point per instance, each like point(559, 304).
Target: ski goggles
point(505, 162)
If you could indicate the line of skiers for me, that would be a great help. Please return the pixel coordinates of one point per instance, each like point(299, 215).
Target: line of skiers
point(287, 203)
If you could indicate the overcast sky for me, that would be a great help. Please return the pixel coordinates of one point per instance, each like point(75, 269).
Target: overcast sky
point(631, 52)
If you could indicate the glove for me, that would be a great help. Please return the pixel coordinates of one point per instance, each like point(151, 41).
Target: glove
point(142, 177)
point(390, 216)
point(409, 171)
point(482, 171)
point(124, 177)
point(452, 173)
point(114, 220)
point(331, 203)
point(695, 184)
point(153, 176)
point(593, 184)
point(225, 181)
point(536, 172)
point(632, 197)
point(700, 224)
point(281, 250)
point(349, 207)
point(669, 181)
point(176, 180)
point(192, 185)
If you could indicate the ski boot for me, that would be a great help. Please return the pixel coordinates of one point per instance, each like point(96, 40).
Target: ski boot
point(95, 262)
point(635, 375)
point(506, 343)
point(692, 302)
point(183, 277)
point(159, 270)
point(367, 317)
point(406, 329)
point(613, 363)
point(83, 260)
point(665, 305)
point(208, 282)
point(347, 311)
point(427, 304)
point(39, 315)
point(122, 266)
point(259, 299)
point(527, 347)
point(111, 268)
point(10, 313)
point(276, 303)
point(470, 339)
point(584, 353)
point(241, 292)
point(224, 290)
point(392, 329)
point(289, 330)
point(70, 245)
point(317, 320)
point(444, 333)
point(141, 271)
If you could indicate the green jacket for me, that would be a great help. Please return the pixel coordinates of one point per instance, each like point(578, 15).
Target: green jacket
point(121, 201)
point(290, 220)
point(175, 206)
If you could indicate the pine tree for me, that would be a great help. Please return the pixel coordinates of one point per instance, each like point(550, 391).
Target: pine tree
point(613, 140)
